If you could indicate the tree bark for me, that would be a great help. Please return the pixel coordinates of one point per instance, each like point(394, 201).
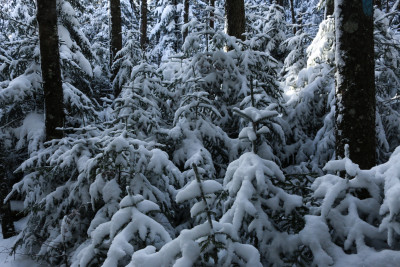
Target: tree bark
point(235, 18)
point(115, 38)
point(143, 24)
point(185, 17)
point(378, 3)
point(50, 65)
point(177, 29)
point(293, 16)
point(355, 82)
point(212, 5)
point(329, 8)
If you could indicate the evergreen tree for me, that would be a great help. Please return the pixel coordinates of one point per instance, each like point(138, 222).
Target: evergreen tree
point(210, 243)
point(166, 34)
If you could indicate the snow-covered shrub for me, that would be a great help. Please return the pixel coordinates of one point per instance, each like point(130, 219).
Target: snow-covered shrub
point(267, 28)
point(195, 139)
point(387, 81)
point(296, 60)
point(131, 228)
point(93, 166)
point(225, 76)
point(254, 199)
point(356, 220)
point(210, 244)
point(196, 135)
point(165, 35)
point(92, 170)
point(126, 59)
point(138, 107)
point(310, 105)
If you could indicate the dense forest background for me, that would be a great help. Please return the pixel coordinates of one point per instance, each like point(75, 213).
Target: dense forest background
point(191, 133)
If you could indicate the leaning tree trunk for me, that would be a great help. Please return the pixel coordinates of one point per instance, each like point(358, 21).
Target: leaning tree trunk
point(50, 64)
point(235, 18)
point(355, 83)
point(143, 25)
point(115, 39)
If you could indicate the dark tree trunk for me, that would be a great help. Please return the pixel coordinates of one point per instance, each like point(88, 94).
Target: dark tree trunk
point(185, 17)
point(50, 64)
point(235, 18)
point(378, 3)
point(177, 28)
point(143, 24)
point(115, 38)
point(329, 8)
point(293, 16)
point(355, 83)
point(212, 5)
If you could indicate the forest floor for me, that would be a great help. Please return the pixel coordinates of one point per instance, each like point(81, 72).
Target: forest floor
point(17, 260)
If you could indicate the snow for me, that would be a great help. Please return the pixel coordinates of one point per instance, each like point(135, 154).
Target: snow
point(192, 190)
point(113, 165)
point(32, 130)
point(19, 259)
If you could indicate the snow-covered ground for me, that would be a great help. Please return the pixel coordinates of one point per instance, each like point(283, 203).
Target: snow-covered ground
point(17, 260)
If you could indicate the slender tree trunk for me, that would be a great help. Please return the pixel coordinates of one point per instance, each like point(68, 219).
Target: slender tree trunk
point(143, 25)
point(50, 65)
point(115, 38)
point(235, 18)
point(293, 16)
point(355, 84)
point(176, 21)
point(185, 17)
point(212, 5)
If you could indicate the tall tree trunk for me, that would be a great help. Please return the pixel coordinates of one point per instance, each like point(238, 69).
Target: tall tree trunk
point(50, 65)
point(235, 18)
point(355, 83)
point(176, 33)
point(143, 25)
point(185, 17)
point(329, 8)
point(378, 3)
point(115, 38)
point(212, 5)
point(293, 16)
